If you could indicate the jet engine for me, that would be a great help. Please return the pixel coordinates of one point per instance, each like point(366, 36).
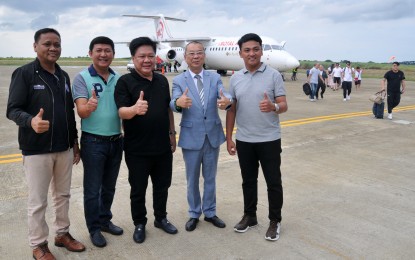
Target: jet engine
point(171, 55)
point(167, 54)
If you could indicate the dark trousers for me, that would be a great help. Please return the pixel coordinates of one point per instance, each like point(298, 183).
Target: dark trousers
point(347, 88)
point(321, 86)
point(101, 160)
point(159, 169)
point(269, 155)
point(393, 100)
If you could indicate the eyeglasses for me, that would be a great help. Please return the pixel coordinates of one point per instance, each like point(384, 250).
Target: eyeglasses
point(192, 54)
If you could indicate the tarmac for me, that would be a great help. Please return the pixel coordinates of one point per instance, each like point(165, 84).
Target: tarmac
point(349, 189)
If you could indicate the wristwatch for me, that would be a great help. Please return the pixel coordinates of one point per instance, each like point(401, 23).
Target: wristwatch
point(277, 107)
point(176, 106)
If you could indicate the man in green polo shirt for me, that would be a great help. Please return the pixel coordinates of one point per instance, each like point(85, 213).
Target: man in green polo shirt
point(101, 141)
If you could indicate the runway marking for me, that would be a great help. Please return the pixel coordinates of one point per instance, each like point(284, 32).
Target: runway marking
point(317, 119)
point(288, 123)
point(18, 159)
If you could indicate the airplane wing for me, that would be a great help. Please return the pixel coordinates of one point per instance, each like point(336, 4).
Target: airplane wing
point(154, 17)
point(181, 42)
point(176, 42)
point(126, 43)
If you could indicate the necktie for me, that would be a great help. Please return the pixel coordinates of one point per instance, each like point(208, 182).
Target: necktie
point(200, 88)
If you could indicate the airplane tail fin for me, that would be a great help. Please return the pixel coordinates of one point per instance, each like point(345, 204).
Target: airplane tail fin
point(162, 30)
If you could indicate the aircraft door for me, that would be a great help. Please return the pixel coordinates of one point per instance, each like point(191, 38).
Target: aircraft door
point(266, 54)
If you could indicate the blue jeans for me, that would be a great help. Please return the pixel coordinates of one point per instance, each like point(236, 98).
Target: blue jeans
point(313, 90)
point(101, 160)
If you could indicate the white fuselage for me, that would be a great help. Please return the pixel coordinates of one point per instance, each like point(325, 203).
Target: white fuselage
point(222, 53)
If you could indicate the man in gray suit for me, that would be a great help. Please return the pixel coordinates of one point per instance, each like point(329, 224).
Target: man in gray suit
point(198, 94)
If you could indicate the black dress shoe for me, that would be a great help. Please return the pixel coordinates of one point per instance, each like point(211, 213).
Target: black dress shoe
point(166, 226)
point(98, 239)
point(191, 224)
point(217, 222)
point(139, 233)
point(112, 229)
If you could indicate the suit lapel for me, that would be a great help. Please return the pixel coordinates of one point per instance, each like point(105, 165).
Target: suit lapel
point(206, 87)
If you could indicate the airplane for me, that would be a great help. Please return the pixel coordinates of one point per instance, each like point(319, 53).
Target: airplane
point(222, 53)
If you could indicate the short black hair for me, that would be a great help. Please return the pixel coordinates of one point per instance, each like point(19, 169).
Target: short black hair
point(249, 37)
point(193, 42)
point(101, 40)
point(43, 31)
point(141, 41)
point(397, 63)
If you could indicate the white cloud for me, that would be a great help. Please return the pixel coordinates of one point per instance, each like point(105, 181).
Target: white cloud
point(314, 29)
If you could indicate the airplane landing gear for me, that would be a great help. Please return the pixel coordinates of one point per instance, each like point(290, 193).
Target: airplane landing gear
point(222, 72)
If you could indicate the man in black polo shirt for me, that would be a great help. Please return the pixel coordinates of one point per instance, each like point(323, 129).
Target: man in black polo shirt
point(143, 98)
point(395, 78)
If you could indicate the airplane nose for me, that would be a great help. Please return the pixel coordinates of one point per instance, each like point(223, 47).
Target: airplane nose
point(292, 62)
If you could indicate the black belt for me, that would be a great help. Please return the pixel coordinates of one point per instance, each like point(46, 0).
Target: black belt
point(111, 138)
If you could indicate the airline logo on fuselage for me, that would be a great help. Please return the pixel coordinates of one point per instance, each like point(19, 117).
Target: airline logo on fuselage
point(226, 43)
point(160, 30)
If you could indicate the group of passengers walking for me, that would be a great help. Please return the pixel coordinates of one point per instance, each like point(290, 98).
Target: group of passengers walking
point(335, 76)
point(134, 113)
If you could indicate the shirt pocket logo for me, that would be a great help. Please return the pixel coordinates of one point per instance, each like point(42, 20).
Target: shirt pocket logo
point(38, 87)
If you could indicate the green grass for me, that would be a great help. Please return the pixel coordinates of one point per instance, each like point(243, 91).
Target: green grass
point(80, 61)
point(370, 69)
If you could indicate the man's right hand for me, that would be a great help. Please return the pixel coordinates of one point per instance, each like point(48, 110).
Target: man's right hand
point(231, 146)
point(38, 124)
point(184, 101)
point(92, 102)
point(141, 106)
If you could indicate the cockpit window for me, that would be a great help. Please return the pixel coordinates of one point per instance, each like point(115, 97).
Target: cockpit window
point(276, 47)
point(267, 47)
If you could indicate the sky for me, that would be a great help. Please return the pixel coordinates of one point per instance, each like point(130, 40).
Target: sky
point(359, 31)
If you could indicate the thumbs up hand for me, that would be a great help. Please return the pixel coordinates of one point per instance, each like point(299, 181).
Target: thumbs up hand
point(141, 106)
point(92, 101)
point(184, 101)
point(266, 105)
point(223, 102)
point(38, 124)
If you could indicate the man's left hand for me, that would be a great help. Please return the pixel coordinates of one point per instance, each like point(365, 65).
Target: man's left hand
point(223, 102)
point(173, 142)
point(266, 105)
point(76, 154)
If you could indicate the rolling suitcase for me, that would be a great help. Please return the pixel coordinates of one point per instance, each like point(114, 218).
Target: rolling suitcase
point(378, 110)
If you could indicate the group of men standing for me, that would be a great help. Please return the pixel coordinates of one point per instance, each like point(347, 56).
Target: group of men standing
point(134, 113)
